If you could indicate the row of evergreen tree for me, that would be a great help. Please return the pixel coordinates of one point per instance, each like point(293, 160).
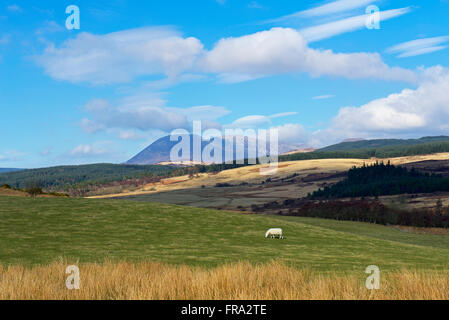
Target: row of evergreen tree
point(382, 179)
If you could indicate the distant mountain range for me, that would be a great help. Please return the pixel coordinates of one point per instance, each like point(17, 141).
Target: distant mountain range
point(159, 151)
point(380, 143)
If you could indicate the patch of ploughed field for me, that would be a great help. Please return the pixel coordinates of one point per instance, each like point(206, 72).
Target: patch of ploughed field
point(243, 195)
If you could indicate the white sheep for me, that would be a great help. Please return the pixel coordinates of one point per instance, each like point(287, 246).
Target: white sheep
point(274, 233)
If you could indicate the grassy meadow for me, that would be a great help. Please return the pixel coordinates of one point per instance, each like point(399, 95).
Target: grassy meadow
point(43, 230)
point(139, 250)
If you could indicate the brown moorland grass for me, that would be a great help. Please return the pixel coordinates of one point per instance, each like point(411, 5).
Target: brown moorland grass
point(252, 173)
point(155, 281)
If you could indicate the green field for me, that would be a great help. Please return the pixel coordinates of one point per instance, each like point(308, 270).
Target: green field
point(38, 231)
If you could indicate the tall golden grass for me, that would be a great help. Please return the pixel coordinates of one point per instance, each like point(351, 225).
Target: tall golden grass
point(154, 281)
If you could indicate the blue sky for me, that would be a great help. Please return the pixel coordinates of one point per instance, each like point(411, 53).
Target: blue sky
point(135, 70)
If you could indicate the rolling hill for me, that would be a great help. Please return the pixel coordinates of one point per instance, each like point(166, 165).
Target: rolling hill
point(380, 149)
point(58, 177)
point(380, 143)
point(245, 185)
point(159, 151)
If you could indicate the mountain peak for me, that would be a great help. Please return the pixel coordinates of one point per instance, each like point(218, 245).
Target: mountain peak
point(159, 151)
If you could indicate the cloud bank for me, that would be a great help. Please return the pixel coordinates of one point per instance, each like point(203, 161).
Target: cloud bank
point(284, 50)
point(414, 112)
point(122, 57)
point(145, 113)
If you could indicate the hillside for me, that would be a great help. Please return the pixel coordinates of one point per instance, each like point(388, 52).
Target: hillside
point(244, 186)
point(159, 151)
point(60, 177)
point(380, 143)
point(6, 190)
point(95, 230)
point(381, 152)
point(100, 179)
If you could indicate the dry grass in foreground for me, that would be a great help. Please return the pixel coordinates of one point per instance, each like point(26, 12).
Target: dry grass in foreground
point(153, 281)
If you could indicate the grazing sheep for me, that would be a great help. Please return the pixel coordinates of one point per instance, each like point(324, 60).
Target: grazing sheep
point(274, 233)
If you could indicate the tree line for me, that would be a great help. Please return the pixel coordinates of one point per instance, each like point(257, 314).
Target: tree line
point(382, 179)
point(371, 211)
point(367, 153)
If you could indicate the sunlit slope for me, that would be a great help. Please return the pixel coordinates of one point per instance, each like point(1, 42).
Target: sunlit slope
point(36, 231)
point(252, 173)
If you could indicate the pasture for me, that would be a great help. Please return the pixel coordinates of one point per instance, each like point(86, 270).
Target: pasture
point(43, 230)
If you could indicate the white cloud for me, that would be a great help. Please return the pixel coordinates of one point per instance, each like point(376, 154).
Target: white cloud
point(410, 113)
point(89, 150)
point(252, 121)
point(292, 133)
point(419, 46)
point(325, 96)
point(332, 11)
point(90, 126)
point(127, 55)
point(335, 7)
point(283, 114)
point(291, 136)
point(421, 111)
point(327, 30)
point(121, 56)
point(387, 114)
point(142, 118)
point(331, 8)
point(129, 135)
point(49, 27)
point(284, 50)
point(257, 121)
point(147, 112)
